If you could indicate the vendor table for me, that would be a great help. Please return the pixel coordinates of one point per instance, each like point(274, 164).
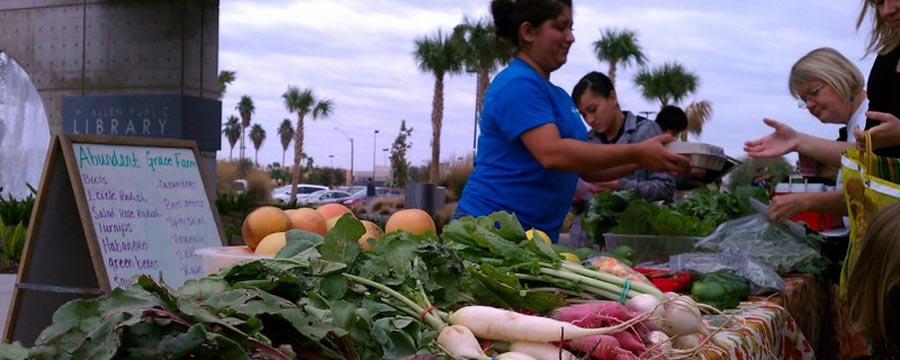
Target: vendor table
point(760, 330)
point(807, 301)
point(815, 307)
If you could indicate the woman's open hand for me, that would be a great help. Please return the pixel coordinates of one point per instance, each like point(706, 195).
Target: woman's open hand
point(782, 141)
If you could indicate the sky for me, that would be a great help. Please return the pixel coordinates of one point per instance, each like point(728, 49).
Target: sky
point(359, 54)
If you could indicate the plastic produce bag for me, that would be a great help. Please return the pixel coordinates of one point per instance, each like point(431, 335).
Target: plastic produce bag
point(768, 243)
point(763, 278)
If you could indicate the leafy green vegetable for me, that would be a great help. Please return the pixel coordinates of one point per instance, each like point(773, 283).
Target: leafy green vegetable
point(325, 298)
point(603, 211)
point(622, 212)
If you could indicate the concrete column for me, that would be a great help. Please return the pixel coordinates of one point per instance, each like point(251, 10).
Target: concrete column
point(104, 47)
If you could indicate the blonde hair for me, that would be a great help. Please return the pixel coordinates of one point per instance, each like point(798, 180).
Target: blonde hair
point(882, 37)
point(875, 276)
point(828, 65)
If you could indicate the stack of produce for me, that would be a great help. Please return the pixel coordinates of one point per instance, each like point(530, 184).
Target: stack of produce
point(623, 212)
point(482, 290)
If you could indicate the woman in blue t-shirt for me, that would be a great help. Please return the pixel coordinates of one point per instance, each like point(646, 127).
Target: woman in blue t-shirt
point(532, 145)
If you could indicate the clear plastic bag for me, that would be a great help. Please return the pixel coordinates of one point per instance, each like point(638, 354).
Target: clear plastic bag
point(763, 278)
point(771, 244)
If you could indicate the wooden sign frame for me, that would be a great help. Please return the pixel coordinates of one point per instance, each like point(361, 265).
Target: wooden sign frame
point(62, 258)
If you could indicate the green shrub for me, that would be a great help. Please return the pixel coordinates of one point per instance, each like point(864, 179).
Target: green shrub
point(454, 178)
point(228, 202)
point(14, 211)
point(13, 241)
point(259, 184)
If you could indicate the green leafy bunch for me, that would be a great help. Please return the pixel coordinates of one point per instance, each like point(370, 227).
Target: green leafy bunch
point(299, 302)
point(14, 211)
point(325, 298)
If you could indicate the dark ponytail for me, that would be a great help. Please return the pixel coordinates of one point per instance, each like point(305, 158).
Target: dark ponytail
point(509, 15)
point(599, 84)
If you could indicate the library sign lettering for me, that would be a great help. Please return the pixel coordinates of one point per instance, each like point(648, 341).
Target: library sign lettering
point(154, 116)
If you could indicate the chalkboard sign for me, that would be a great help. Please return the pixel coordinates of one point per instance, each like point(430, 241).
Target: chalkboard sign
point(149, 210)
point(110, 208)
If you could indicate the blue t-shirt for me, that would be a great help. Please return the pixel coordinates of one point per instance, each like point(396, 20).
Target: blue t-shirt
point(506, 175)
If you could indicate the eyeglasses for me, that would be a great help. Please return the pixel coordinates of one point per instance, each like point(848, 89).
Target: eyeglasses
point(812, 94)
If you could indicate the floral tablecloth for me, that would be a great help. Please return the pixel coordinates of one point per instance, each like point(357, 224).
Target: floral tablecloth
point(758, 330)
point(807, 300)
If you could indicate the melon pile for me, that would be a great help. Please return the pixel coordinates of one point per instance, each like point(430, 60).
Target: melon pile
point(264, 228)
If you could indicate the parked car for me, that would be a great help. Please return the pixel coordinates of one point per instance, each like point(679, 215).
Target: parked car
point(282, 194)
point(351, 189)
point(359, 197)
point(239, 186)
point(326, 197)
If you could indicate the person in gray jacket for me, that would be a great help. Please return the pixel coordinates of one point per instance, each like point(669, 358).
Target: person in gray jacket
point(595, 97)
point(597, 102)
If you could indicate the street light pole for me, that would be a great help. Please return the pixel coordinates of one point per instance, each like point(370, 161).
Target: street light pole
point(646, 114)
point(385, 150)
point(374, 146)
point(331, 158)
point(351, 152)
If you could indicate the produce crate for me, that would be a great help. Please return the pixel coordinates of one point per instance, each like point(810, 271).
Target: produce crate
point(215, 258)
point(652, 248)
point(819, 221)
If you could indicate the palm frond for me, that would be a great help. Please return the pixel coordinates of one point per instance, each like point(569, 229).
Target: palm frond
point(698, 114)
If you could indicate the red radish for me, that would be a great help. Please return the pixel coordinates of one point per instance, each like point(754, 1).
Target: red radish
point(602, 347)
point(630, 341)
point(488, 323)
point(542, 351)
point(593, 314)
point(626, 356)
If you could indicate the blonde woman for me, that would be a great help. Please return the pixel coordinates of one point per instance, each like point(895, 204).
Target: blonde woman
point(830, 87)
point(874, 286)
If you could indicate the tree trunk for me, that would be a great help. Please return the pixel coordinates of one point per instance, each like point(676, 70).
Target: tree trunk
point(298, 151)
point(613, 65)
point(241, 150)
point(484, 80)
point(282, 157)
point(437, 117)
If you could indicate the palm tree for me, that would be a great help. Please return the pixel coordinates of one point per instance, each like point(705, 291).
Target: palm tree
point(232, 131)
point(286, 132)
point(698, 114)
point(226, 77)
point(481, 56)
point(439, 56)
point(669, 83)
point(302, 103)
point(257, 135)
point(245, 108)
point(618, 47)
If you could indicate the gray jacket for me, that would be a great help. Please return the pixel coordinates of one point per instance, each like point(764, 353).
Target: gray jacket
point(651, 186)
